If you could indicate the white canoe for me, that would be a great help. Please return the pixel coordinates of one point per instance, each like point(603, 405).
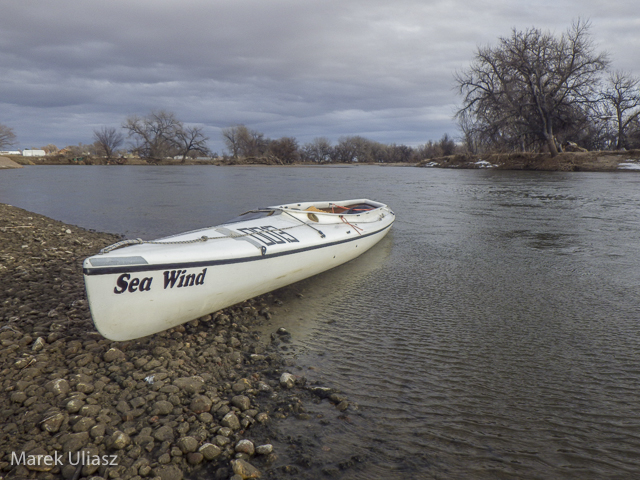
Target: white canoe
point(138, 288)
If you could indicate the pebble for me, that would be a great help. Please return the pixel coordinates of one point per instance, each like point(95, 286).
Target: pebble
point(230, 420)
point(287, 380)
point(244, 469)
point(200, 404)
point(119, 440)
point(187, 444)
point(245, 446)
point(210, 451)
point(242, 402)
point(264, 449)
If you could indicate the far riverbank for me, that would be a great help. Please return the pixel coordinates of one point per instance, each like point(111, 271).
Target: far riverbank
point(605, 161)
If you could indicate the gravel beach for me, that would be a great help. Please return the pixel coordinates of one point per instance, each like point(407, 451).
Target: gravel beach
point(196, 401)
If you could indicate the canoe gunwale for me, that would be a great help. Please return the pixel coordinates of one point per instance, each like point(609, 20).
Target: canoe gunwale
point(206, 263)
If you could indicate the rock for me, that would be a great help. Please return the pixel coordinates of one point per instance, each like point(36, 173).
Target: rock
point(97, 431)
point(262, 417)
point(242, 402)
point(119, 440)
point(230, 420)
point(287, 380)
point(58, 387)
point(85, 387)
point(244, 469)
point(52, 423)
point(164, 433)
point(75, 442)
point(190, 384)
point(195, 458)
point(200, 404)
point(74, 405)
point(337, 398)
point(210, 451)
point(168, 472)
point(39, 344)
point(18, 397)
point(245, 446)
point(263, 387)
point(322, 392)
point(163, 407)
point(84, 424)
point(264, 449)
point(205, 418)
point(187, 444)
point(113, 354)
point(241, 385)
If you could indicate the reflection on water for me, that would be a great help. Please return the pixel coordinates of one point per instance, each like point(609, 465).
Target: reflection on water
point(493, 334)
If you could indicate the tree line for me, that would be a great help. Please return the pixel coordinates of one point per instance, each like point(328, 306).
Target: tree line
point(243, 142)
point(538, 91)
point(160, 135)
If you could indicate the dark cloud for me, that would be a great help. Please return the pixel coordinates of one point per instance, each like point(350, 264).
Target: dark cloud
point(287, 68)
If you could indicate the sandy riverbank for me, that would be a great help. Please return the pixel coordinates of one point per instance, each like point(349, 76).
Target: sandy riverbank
point(198, 401)
point(6, 162)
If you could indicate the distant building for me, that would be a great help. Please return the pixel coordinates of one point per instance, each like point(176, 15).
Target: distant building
point(33, 153)
point(11, 152)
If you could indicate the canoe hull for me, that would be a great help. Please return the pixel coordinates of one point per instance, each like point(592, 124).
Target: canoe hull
point(129, 302)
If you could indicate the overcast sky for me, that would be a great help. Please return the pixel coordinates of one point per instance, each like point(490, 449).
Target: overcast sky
point(378, 68)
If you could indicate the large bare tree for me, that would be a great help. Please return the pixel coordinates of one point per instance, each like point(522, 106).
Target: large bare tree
point(153, 135)
point(7, 137)
point(530, 86)
point(107, 140)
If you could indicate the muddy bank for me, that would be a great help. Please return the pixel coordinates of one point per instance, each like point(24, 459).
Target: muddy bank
point(564, 162)
point(202, 400)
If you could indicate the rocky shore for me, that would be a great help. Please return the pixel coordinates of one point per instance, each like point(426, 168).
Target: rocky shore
point(198, 401)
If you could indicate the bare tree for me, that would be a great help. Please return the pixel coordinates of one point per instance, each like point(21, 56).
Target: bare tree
point(108, 140)
point(244, 142)
point(50, 148)
point(153, 136)
point(354, 148)
point(190, 139)
point(531, 85)
point(7, 137)
point(622, 99)
point(230, 136)
point(319, 150)
point(285, 150)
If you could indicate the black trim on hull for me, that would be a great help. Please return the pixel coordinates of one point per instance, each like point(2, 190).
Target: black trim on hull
point(208, 263)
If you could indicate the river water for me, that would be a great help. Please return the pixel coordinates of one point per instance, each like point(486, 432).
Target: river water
point(494, 333)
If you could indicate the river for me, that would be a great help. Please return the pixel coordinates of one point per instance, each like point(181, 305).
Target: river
point(494, 333)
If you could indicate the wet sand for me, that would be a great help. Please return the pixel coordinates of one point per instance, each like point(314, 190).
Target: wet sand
point(199, 401)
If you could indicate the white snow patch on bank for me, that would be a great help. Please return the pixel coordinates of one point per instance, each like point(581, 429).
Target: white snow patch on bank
point(485, 164)
point(629, 165)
